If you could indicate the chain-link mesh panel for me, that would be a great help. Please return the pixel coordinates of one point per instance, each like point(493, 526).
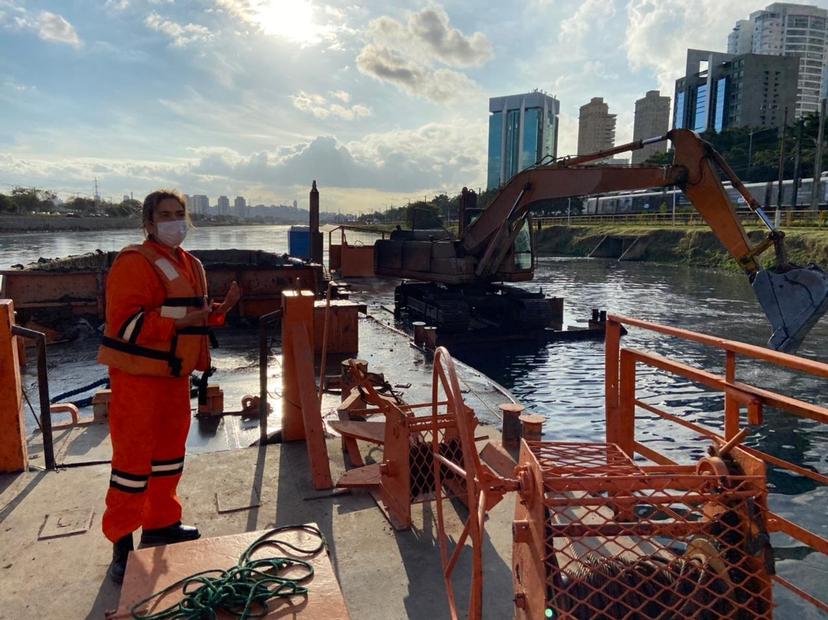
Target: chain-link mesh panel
point(421, 459)
point(624, 544)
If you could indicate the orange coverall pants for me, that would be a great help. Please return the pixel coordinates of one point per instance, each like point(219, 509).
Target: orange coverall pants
point(149, 418)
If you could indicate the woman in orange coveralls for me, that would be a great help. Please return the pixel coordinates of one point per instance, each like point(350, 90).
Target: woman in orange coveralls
point(156, 334)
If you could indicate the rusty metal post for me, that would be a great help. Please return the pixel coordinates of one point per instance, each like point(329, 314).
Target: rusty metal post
point(419, 332)
point(430, 334)
point(301, 412)
point(346, 379)
point(14, 455)
point(510, 433)
point(612, 345)
point(297, 308)
point(531, 427)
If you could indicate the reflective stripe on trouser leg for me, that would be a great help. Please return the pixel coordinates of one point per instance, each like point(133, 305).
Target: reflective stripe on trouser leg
point(172, 413)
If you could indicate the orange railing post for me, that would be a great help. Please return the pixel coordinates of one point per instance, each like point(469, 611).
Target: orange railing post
point(626, 404)
point(301, 413)
point(14, 455)
point(732, 407)
point(612, 345)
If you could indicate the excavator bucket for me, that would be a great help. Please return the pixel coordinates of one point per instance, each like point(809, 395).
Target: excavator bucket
point(793, 300)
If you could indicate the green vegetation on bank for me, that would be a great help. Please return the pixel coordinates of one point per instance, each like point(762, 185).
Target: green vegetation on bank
point(688, 245)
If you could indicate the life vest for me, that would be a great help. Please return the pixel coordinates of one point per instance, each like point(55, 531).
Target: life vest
point(189, 348)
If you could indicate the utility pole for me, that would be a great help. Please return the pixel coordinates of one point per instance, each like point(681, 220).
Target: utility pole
point(781, 165)
point(797, 155)
point(816, 186)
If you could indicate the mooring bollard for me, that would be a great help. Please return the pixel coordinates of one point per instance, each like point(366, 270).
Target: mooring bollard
point(510, 433)
point(531, 426)
point(430, 341)
point(419, 333)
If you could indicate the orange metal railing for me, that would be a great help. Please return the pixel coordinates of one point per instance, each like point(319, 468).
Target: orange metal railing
point(621, 403)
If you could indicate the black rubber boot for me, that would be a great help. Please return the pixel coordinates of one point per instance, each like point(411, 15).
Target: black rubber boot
point(120, 553)
point(168, 535)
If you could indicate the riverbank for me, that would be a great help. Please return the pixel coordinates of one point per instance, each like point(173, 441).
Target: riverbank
point(47, 223)
point(696, 246)
point(40, 223)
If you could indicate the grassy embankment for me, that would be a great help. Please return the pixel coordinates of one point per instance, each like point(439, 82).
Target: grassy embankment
point(686, 245)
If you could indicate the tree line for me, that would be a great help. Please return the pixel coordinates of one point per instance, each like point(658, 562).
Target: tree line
point(31, 200)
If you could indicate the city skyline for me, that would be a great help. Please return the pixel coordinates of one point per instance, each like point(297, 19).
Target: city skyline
point(382, 103)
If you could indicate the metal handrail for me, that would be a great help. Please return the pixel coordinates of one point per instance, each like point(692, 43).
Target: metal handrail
point(803, 218)
point(265, 321)
point(621, 404)
point(43, 390)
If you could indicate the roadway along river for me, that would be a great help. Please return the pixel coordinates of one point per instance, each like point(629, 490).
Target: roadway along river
point(564, 382)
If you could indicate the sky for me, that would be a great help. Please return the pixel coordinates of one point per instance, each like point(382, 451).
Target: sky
point(381, 102)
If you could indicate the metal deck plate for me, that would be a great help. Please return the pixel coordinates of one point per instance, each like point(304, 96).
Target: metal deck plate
point(66, 523)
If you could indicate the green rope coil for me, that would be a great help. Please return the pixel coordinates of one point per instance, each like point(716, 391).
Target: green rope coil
point(243, 591)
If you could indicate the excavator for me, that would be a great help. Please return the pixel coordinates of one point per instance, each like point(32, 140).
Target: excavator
point(456, 279)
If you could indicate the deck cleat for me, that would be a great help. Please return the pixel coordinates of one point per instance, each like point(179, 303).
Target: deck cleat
point(793, 300)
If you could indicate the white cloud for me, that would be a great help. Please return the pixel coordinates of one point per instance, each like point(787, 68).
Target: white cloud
point(117, 5)
point(409, 55)
point(48, 26)
point(659, 32)
point(299, 21)
point(591, 15)
point(431, 27)
point(322, 107)
point(384, 166)
point(440, 85)
point(178, 34)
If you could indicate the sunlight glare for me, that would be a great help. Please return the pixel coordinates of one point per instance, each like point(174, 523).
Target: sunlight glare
point(291, 19)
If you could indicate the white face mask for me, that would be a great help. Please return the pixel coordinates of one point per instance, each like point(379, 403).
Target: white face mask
point(171, 233)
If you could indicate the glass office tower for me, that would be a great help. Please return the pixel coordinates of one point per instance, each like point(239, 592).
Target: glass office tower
point(523, 130)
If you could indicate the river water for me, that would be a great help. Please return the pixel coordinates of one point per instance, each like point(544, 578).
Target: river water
point(564, 381)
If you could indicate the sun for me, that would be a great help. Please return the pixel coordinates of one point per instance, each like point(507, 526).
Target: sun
point(289, 19)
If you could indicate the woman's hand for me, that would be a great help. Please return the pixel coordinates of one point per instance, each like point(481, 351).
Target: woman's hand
point(194, 317)
point(230, 299)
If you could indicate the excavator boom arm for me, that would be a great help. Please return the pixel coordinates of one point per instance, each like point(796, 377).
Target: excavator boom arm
point(692, 171)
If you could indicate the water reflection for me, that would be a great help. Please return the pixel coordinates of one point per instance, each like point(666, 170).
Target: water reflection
point(564, 381)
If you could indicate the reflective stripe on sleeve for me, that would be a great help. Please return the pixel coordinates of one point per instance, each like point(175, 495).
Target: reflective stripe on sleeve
point(173, 312)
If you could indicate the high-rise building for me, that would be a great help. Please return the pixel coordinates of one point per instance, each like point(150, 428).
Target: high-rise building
point(798, 30)
point(652, 118)
point(240, 207)
point(722, 90)
point(223, 205)
point(596, 127)
point(740, 39)
point(199, 204)
point(523, 130)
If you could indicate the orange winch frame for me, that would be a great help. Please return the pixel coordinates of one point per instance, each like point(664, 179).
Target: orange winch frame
point(585, 510)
